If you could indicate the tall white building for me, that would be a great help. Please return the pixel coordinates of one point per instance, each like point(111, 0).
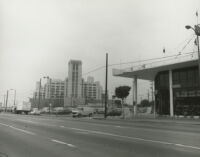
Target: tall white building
point(73, 84)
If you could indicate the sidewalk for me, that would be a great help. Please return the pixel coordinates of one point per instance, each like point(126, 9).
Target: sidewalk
point(152, 119)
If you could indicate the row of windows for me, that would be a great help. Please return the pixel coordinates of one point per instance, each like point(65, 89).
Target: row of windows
point(181, 78)
point(186, 77)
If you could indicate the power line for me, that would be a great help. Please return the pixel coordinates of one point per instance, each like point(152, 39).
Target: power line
point(139, 61)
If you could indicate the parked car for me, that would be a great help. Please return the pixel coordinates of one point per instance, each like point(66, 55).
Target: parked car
point(83, 112)
point(62, 110)
point(35, 111)
point(114, 112)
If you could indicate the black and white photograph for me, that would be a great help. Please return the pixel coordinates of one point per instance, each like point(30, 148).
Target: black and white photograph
point(99, 78)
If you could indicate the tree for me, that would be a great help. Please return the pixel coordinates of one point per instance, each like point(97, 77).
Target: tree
point(144, 103)
point(122, 92)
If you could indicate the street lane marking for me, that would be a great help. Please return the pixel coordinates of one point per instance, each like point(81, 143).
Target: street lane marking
point(24, 131)
point(64, 143)
point(133, 138)
point(186, 146)
point(82, 132)
point(4, 124)
point(29, 121)
point(117, 126)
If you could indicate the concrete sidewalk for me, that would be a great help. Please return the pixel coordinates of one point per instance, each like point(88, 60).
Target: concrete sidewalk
point(152, 119)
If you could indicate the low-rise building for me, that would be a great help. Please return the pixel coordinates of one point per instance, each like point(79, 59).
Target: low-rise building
point(177, 83)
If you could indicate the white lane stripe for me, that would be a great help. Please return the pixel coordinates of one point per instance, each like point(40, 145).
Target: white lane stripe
point(64, 143)
point(29, 121)
point(24, 131)
point(186, 146)
point(118, 126)
point(4, 124)
point(133, 138)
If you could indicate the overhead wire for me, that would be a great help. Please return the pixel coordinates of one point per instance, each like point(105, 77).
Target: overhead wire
point(138, 61)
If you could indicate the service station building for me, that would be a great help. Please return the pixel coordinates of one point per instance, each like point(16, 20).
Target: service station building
point(176, 83)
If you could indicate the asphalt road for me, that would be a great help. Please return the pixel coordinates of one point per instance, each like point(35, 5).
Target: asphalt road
point(49, 136)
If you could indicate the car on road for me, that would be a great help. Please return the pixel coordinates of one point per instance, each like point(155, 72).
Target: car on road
point(83, 112)
point(35, 111)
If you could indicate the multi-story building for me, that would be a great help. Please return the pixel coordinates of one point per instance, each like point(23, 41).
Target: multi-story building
point(92, 90)
point(54, 89)
point(73, 84)
point(52, 92)
point(77, 91)
point(42, 91)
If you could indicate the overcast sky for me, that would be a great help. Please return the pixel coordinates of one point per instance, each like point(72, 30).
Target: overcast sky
point(39, 37)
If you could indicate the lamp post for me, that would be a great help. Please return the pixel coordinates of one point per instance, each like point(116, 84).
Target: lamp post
point(196, 29)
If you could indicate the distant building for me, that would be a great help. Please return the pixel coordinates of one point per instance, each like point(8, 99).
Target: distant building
point(77, 91)
point(52, 92)
point(42, 91)
point(73, 84)
point(92, 90)
point(54, 89)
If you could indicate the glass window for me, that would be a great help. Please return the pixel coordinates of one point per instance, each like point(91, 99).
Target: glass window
point(176, 77)
point(183, 78)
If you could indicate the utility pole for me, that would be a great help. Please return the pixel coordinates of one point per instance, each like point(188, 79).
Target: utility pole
point(152, 91)
point(106, 86)
point(196, 29)
point(14, 98)
point(39, 94)
point(6, 101)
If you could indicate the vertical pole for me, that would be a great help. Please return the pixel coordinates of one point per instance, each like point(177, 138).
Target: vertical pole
point(14, 98)
point(135, 94)
point(6, 101)
point(106, 84)
point(152, 95)
point(171, 94)
point(153, 98)
point(39, 94)
point(198, 57)
point(50, 95)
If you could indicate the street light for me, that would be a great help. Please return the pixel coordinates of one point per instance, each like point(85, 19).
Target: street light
point(196, 29)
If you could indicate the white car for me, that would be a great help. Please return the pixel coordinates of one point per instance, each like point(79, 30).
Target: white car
point(35, 111)
point(82, 112)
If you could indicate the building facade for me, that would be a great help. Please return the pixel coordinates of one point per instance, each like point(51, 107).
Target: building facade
point(54, 91)
point(41, 91)
point(186, 91)
point(73, 84)
point(176, 80)
point(77, 91)
point(92, 90)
